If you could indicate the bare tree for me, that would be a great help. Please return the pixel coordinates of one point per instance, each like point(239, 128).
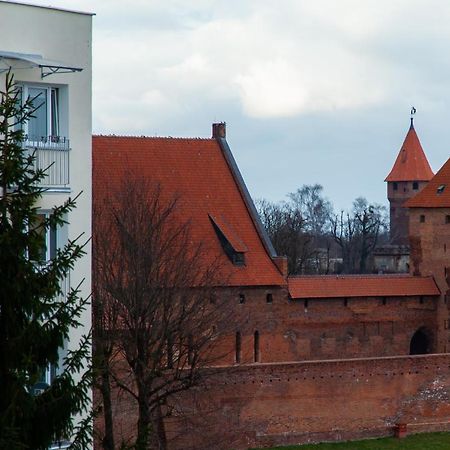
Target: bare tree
point(357, 233)
point(157, 312)
point(287, 230)
point(299, 229)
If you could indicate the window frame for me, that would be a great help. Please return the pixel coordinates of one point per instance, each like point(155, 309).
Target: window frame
point(53, 116)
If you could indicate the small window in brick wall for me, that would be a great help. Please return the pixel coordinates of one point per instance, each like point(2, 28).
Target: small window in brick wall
point(256, 353)
point(238, 347)
point(269, 298)
point(346, 301)
point(241, 299)
point(306, 303)
point(421, 300)
point(415, 185)
point(422, 218)
point(395, 186)
point(384, 301)
point(447, 219)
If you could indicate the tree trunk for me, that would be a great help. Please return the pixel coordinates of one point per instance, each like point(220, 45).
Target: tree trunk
point(144, 421)
point(105, 388)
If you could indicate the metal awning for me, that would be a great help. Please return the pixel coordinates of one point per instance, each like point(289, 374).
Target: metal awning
point(27, 61)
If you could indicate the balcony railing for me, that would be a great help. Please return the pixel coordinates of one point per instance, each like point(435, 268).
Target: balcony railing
point(52, 155)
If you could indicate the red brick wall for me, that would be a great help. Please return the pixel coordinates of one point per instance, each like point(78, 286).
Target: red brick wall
point(397, 213)
point(267, 404)
point(430, 255)
point(326, 328)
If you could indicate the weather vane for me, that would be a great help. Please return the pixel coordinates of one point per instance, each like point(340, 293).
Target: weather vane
point(413, 111)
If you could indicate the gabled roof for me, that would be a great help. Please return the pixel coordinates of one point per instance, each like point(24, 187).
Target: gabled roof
point(338, 286)
point(411, 163)
point(200, 173)
point(436, 194)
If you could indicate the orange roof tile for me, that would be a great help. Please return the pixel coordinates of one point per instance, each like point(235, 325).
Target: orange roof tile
point(411, 163)
point(436, 194)
point(334, 286)
point(199, 172)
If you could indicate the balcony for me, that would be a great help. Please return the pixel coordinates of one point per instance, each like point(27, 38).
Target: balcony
point(52, 155)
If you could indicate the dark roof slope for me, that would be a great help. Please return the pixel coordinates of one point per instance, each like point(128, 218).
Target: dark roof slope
point(411, 163)
point(335, 286)
point(436, 194)
point(198, 171)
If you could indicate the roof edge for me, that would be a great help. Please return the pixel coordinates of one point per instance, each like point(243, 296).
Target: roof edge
point(54, 8)
point(223, 144)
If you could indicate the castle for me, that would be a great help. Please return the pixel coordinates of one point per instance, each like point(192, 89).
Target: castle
point(310, 358)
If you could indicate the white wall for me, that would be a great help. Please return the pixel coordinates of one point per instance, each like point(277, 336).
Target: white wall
point(67, 37)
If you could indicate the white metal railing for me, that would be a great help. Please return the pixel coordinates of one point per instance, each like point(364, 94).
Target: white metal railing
point(52, 155)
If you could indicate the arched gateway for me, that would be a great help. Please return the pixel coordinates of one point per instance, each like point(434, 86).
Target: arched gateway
point(420, 342)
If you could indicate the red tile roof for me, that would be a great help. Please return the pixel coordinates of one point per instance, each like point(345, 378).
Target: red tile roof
point(196, 170)
point(411, 163)
point(334, 286)
point(436, 194)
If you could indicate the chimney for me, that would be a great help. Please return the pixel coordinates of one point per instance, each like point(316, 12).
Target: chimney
point(219, 130)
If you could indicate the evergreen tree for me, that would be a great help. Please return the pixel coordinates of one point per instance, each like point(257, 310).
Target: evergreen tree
point(36, 315)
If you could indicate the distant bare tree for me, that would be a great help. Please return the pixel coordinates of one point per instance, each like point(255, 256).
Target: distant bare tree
point(357, 233)
point(287, 231)
point(299, 229)
point(156, 310)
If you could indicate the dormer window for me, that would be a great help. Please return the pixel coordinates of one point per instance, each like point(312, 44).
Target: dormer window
point(440, 189)
point(231, 244)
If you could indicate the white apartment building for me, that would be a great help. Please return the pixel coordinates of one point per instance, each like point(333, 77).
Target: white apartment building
point(49, 51)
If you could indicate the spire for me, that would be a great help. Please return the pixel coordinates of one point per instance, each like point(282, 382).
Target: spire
point(411, 163)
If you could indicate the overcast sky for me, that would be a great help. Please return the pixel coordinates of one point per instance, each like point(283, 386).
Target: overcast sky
point(315, 91)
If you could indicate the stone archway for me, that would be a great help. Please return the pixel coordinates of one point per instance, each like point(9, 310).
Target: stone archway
point(420, 342)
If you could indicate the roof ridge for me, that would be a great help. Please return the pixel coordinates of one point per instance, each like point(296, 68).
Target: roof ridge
point(130, 136)
point(373, 275)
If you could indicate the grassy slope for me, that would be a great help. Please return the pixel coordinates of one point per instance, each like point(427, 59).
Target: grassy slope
point(424, 441)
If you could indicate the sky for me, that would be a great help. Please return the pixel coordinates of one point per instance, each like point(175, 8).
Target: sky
point(315, 91)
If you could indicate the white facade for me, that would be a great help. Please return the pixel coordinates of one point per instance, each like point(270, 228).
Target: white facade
point(63, 131)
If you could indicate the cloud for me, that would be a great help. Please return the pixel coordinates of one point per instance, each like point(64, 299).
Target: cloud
point(273, 60)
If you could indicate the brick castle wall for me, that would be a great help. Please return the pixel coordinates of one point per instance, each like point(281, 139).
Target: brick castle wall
point(331, 328)
point(269, 404)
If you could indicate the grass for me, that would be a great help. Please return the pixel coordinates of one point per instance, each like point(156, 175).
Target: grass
point(423, 441)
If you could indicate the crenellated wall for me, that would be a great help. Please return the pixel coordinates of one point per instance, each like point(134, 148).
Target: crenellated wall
point(267, 404)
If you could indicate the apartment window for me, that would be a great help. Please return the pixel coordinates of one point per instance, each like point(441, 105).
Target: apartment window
point(45, 125)
point(415, 185)
point(395, 186)
point(49, 240)
point(422, 218)
point(269, 298)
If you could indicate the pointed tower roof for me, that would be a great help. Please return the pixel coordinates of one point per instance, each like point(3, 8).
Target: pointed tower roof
point(411, 163)
point(436, 194)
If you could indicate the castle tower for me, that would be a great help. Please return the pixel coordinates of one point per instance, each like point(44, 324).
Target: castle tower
point(409, 175)
point(429, 233)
